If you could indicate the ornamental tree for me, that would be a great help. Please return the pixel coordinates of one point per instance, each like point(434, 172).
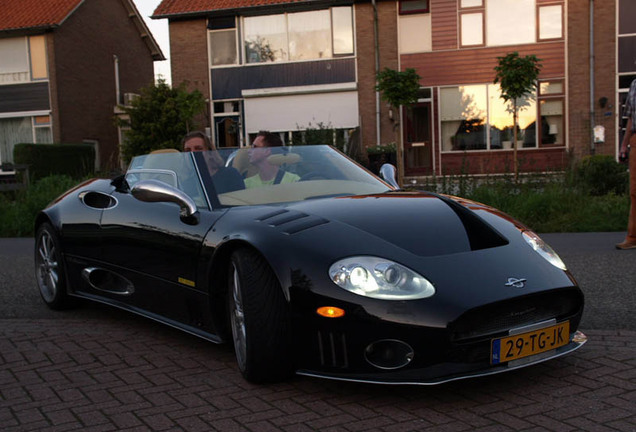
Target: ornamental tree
point(159, 118)
point(517, 78)
point(399, 89)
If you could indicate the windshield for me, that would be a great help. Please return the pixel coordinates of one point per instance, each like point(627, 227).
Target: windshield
point(256, 176)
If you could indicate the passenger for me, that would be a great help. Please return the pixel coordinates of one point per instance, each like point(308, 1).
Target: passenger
point(225, 179)
point(268, 173)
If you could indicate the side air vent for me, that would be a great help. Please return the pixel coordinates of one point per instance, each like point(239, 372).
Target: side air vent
point(332, 348)
point(291, 221)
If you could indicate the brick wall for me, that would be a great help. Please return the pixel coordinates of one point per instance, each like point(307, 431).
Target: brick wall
point(579, 137)
point(84, 73)
point(366, 67)
point(189, 58)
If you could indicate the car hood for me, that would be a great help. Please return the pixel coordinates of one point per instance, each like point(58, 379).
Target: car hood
point(422, 223)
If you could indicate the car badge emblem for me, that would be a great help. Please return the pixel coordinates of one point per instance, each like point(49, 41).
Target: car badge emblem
point(517, 283)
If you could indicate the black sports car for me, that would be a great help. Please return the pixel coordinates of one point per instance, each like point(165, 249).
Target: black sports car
point(328, 272)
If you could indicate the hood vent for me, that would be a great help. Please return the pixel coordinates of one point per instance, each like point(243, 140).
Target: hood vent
point(291, 221)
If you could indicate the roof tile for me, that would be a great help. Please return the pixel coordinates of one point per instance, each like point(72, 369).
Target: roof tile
point(26, 14)
point(179, 7)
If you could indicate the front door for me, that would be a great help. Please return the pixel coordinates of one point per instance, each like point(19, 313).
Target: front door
point(227, 131)
point(418, 148)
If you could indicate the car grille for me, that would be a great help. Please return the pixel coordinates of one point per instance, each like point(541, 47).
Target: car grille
point(332, 348)
point(517, 312)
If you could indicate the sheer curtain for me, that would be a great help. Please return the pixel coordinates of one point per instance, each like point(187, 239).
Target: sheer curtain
point(13, 131)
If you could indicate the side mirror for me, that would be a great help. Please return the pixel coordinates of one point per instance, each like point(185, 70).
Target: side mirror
point(158, 191)
point(389, 174)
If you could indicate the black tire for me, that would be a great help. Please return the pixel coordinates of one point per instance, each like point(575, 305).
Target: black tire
point(260, 319)
point(49, 269)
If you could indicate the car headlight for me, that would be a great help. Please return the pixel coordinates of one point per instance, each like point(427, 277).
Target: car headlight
point(543, 249)
point(379, 278)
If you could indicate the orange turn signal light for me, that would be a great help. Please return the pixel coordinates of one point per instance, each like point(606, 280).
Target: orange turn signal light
point(330, 312)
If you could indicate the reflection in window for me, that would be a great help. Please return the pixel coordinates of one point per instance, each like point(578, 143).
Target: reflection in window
point(223, 47)
point(550, 22)
point(500, 114)
point(265, 39)
point(309, 35)
point(299, 36)
point(470, 3)
point(463, 115)
point(472, 29)
point(510, 22)
point(476, 118)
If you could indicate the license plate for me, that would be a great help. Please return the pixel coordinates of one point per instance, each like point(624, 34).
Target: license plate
point(526, 344)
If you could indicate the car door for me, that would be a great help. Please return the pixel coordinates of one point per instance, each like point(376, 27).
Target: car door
point(154, 250)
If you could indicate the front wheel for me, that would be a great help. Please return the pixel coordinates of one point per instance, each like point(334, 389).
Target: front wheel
point(260, 319)
point(49, 268)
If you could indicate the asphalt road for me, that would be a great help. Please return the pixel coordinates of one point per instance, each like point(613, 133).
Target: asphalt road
point(606, 275)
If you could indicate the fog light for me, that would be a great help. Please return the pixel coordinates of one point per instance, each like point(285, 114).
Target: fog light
point(389, 354)
point(330, 312)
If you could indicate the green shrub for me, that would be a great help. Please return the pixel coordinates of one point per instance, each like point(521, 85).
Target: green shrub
point(17, 215)
point(73, 160)
point(601, 175)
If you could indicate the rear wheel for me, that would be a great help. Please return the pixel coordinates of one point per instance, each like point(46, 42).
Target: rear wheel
point(260, 319)
point(49, 268)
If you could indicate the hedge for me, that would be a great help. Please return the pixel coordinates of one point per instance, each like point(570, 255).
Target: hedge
point(74, 160)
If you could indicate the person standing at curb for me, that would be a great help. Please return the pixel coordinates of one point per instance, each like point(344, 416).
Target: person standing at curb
point(630, 131)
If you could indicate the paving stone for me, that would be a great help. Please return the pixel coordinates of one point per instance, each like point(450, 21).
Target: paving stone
point(133, 375)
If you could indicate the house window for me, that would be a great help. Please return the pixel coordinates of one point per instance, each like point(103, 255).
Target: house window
point(266, 39)
point(413, 6)
point(510, 22)
point(471, 23)
point(415, 33)
point(551, 102)
point(472, 29)
point(470, 3)
point(37, 51)
point(464, 115)
point(42, 129)
point(550, 22)
point(12, 132)
point(475, 117)
point(298, 36)
point(222, 41)
point(309, 35)
point(223, 47)
point(342, 19)
point(14, 66)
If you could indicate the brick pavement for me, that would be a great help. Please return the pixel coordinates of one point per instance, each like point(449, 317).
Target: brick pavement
point(131, 374)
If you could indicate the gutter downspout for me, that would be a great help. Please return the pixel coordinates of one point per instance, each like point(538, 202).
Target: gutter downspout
point(592, 145)
point(117, 89)
point(376, 50)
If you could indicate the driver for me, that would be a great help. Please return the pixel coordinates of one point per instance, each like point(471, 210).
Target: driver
point(225, 179)
point(268, 173)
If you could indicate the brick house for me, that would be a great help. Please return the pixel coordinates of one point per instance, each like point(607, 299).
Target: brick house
point(64, 67)
point(284, 65)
